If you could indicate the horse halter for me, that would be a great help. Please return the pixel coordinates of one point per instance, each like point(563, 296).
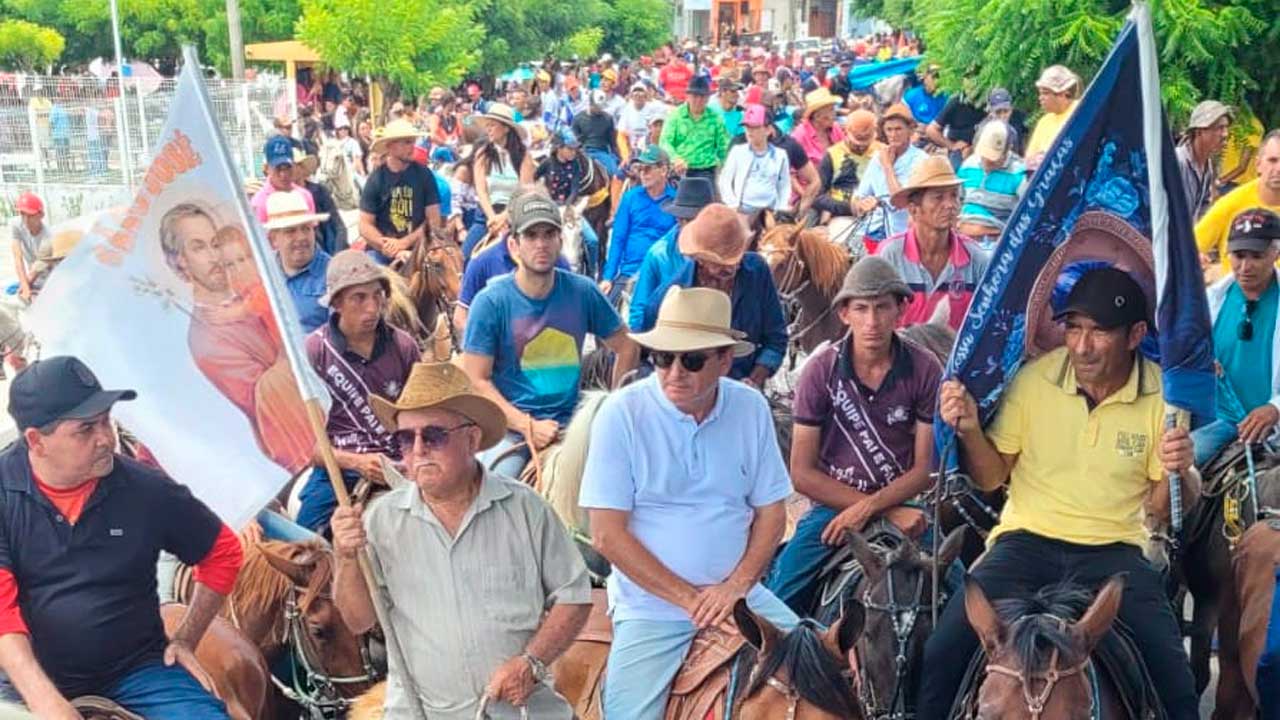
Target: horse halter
point(313, 689)
point(903, 619)
point(1050, 677)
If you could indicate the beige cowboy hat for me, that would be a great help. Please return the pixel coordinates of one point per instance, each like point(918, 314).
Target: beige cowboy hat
point(502, 113)
point(716, 234)
point(445, 386)
point(695, 319)
point(818, 99)
point(288, 208)
point(395, 130)
point(932, 172)
point(304, 165)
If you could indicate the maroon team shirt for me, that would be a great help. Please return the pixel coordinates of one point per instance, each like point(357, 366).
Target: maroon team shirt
point(868, 435)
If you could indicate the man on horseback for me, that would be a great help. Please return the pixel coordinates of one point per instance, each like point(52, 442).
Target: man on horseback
point(80, 532)
point(485, 589)
point(525, 334)
point(1243, 306)
point(357, 354)
point(400, 203)
point(846, 162)
point(685, 487)
point(564, 173)
point(1080, 440)
point(862, 445)
point(291, 230)
point(641, 220)
point(695, 137)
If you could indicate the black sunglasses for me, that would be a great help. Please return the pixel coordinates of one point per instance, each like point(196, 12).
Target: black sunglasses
point(433, 437)
point(692, 361)
point(1245, 330)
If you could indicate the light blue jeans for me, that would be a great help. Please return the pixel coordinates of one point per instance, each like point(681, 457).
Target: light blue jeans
point(514, 463)
point(646, 655)
point(1210, 438)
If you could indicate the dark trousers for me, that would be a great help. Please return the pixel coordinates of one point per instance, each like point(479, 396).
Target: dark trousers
point(1021, 563)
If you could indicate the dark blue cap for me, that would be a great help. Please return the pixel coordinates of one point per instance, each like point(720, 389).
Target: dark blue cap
point(279, 151)
point(59, 388)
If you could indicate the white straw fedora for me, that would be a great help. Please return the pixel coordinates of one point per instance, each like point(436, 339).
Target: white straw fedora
point(286, 208)
point(695, 319)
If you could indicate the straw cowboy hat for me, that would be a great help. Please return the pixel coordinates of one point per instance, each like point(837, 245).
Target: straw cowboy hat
point(499, 112)
point(395, 130)
point(932, 172)
point(288, 208)
point(444, 386)
point(716, 234)
point(818, 99)
point(695, 319)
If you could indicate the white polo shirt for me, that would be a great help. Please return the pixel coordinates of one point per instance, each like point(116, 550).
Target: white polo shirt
point(691, 488)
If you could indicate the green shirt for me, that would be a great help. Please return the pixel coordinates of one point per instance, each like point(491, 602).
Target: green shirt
point(701, 143)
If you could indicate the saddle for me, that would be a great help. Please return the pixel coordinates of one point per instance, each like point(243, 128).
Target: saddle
point(92, 707)
point(700, 690)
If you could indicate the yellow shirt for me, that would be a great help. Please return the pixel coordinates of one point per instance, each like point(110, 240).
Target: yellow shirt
point(1080, 476)
point(1215, 226)
point(1047, 129)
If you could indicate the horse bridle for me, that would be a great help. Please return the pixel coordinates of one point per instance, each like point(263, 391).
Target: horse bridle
point(443, 305)
point(796, 272)
point(903, 619)
point(314, 689)
point(954, 489)
point(1050, 677)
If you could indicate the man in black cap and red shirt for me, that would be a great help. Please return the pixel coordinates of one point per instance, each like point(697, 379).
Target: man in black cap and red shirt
point(1079, 439)
point(80, 531)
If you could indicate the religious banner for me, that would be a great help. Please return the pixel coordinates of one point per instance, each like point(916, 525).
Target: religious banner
point(1108, 193)
point(177, 296)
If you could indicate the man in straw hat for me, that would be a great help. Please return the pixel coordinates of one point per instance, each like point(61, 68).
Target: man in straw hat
point(862, 445)
point(938, 263)
point(695, 137)
point(685, 488)
point(400, 205)
point(713, 254)
point(291, 230)
point(475, 568)
point(525, 333)
point(888, 172)
point(1081, 443)
point(845, 162)
point(1058, 90)
point(357, 354)
point(818, 129)
point(280, 176)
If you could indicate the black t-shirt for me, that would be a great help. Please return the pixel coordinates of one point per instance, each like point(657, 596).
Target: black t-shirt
point(959, 119)
point(595, 130)
point(399, 201)
point(88, 591)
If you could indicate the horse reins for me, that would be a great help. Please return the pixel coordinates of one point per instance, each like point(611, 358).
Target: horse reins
point(443, 305)
point(314, 689)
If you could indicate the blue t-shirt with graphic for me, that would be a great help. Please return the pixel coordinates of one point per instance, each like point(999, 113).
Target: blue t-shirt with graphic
point(536, 345)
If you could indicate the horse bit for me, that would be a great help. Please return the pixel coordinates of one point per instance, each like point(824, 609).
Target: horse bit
point(313, 689)
point(904, 623)
point(1050, 677)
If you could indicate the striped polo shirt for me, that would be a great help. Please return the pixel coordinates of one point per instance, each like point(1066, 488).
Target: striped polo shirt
point(990, 197)
point(956, 282)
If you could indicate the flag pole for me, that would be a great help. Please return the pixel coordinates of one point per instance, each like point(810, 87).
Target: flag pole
point(286, 317)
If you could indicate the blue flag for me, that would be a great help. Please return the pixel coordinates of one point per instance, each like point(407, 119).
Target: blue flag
point(1107, 193)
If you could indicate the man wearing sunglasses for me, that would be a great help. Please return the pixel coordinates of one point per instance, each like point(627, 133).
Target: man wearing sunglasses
point(1243, 308)
point(862, 446)
point(685, 486)
point(476, 568)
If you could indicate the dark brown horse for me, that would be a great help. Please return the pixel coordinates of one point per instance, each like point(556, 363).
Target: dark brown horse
point(808, 270)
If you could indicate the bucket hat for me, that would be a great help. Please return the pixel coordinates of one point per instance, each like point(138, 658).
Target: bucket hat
point(871, 276)
point(349, 268)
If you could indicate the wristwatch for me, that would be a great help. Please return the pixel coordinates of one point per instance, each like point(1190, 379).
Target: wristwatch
point(539, 668)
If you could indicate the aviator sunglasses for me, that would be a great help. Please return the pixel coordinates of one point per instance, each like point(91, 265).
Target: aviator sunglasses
point(1244, 330)
point(433, 437)
point(692, 361)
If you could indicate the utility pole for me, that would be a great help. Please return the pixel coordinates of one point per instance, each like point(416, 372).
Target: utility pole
point(237, 41)
point(126, 154)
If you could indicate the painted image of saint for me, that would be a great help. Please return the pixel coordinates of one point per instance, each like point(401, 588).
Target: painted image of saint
point(232, 337)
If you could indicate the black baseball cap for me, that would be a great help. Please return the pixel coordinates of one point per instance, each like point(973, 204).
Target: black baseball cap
point(1108, 296)
point(59, 388)
point(1255, 229)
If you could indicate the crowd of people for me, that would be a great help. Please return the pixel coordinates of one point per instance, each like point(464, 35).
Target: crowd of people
point(702, 149)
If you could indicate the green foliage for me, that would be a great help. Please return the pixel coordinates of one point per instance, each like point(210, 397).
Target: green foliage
point(517, 31)
point(584, 43)
point(28, 46)
point(414, 44)
point(637, 27)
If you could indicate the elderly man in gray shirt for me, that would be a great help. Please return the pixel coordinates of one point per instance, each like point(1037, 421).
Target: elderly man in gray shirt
point(483, 585)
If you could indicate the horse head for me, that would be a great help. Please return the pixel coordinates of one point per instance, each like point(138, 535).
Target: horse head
point(800, 674)
point(898, 597)
point(1037, 656)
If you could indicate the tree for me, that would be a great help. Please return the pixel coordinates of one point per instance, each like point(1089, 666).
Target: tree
point(28, 46)
point(519, 31)
point(637, 27)
point(410, 44)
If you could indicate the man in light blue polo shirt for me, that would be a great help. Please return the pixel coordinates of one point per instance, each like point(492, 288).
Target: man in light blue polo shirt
point(685, 488)
point(291, 229)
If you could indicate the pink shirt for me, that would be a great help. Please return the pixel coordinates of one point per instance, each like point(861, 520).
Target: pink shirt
point(259, 201)
point(955, 284)
point(807, 135)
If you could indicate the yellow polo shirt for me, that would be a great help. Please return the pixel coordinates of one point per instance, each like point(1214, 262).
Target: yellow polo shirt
point(1215, 226)
point(1081, 476)
point(1047, 129)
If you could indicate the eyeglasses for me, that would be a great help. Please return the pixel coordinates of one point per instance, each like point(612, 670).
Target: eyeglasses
point(433, 437)
point(1245, 330)
point(692, 361)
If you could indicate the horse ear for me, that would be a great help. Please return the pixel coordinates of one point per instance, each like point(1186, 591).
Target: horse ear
point(951, 548)
point(757, 631)
point(1097, 620)
point(841, 637)
point(871, 562)
point(990, 629)
point(941, 315)
point(297, 568)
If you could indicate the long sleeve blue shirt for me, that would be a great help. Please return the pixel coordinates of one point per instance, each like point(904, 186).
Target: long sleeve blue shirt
point(638, 224)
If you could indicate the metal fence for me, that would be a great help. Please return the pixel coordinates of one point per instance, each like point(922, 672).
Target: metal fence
point(64, 137)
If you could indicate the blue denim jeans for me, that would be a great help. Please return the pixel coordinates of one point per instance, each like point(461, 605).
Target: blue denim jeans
point(646, 654)
point(514, 463)
point(153, 691)
point(606, 158)
point(590, 250)
point(278, 527)
point(474, 234)
point(318, 500)
point(1210, 438)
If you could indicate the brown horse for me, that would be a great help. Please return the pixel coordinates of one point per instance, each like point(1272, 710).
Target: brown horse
point(282, 603)
point(423, 296)
point(1039, 658)
point(808, 270)
point(239, 671)
point(1245, 617)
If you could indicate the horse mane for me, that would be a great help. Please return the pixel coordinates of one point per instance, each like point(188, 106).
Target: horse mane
point(1039, 623)
point(937, 339)
point(563, 479)
point(401, 310)
point(261, 589)
point(827, 261)
point(816, 675)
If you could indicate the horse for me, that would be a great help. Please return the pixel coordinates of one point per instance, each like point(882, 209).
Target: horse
point(438, 340)
point(282, 603)
point(808, 270)
point(1247, 613)
point(1042, 661)
point(240, 674)
point(435, 280)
